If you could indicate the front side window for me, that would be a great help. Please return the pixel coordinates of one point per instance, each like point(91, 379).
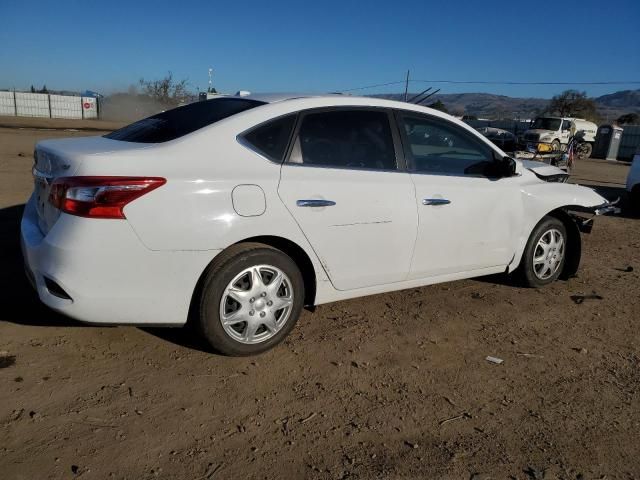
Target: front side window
point(440, 147)
point(346, 139)
point(271, 139)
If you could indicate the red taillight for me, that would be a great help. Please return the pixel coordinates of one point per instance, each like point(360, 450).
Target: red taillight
point(99, 197)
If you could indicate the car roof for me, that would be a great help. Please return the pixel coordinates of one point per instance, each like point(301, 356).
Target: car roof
point(336, 99)
point(280, 97)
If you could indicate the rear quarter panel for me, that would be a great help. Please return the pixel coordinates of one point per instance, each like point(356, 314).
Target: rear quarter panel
point(194, 209)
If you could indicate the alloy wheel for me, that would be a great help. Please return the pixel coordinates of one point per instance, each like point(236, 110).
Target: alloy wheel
point(548, 254)
point(256, 304)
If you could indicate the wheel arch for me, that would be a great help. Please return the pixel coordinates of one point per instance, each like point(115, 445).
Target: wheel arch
point(574, 242)
point(295, 251)
point(299, 256)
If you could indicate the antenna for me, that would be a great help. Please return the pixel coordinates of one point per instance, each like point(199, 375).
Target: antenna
point(423, 99)
point(418, 95)
point(406, 87)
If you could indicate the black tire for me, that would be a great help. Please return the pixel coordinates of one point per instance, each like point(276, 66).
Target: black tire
point(225, 268)
point(585, 151)
point(527, 272)
point(555, 145)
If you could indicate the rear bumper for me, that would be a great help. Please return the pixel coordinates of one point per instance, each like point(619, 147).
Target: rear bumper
point(107, 274)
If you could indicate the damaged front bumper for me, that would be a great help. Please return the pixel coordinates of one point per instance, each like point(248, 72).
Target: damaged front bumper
point(607, 208)
point(585, 224)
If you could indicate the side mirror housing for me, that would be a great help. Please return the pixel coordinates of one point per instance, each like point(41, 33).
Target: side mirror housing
point(508, 167)
point(502, 167)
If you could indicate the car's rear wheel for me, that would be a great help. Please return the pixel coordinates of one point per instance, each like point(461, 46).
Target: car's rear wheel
point(251, 298)
point(545, 253)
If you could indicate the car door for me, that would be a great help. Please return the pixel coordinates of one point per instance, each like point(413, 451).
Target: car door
point(353, 201)
point(467, 221)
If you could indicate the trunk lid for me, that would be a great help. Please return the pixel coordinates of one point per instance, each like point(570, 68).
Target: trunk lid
point(62, 158)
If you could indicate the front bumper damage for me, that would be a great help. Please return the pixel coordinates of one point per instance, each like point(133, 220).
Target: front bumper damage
point(585, 223)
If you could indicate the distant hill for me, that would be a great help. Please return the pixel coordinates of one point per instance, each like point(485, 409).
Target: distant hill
point(624, 99)
point(488, 105)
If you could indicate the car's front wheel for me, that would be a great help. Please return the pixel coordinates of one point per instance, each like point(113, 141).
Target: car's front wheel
point(545, 253)
point(251, 298)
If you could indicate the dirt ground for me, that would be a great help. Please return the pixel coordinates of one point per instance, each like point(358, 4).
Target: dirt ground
point(388, 386)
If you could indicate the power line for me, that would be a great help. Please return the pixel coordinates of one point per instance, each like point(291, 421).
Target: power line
point(481, 82)
point(372, 86)
point(484, 82)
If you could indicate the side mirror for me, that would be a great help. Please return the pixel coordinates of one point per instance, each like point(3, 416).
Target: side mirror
point(508, 167)
point(501, 167)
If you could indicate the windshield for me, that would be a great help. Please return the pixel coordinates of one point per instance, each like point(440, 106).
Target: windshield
point(180, 121)
point(544, 123)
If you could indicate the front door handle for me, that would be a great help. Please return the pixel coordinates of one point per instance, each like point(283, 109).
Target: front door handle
point(315, 203)
point(435, 201)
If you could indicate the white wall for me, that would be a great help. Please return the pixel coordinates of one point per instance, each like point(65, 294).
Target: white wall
point(7, 105)
point(25, 104)
point(64, 106)
point(90, 107)
point(32, 104)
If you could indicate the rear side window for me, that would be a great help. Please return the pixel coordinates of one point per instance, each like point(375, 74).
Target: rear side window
point(180, 121)
point(271, 139)
point(347, 139)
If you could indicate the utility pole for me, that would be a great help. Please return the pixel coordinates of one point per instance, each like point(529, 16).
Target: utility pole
point(406, 87)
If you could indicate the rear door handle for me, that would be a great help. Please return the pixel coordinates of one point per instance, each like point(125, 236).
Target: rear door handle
point(435, 201)
point(315, 203)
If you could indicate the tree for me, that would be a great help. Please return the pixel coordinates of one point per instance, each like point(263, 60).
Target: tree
point(572, 103)
point(438, 105)
point(43, 89)
point(167, 91)
point(33, 90)
point(629, 119)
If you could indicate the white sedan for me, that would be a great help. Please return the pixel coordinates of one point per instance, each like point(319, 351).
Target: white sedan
point(237, 212)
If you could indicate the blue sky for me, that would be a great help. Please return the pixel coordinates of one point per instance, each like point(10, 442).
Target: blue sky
point(320, 46)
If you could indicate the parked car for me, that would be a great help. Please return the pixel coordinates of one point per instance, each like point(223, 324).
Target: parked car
point(243, 210)
point(504, 139)
point(633, 182)
point(556, 132)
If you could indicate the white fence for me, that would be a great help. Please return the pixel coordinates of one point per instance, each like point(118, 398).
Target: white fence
point(47, 105)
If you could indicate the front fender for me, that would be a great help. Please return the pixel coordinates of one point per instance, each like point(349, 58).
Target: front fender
point(542, 198)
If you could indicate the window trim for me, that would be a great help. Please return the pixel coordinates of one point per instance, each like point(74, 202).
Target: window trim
point(409, 159)
point(401, 166)
point(240, 138)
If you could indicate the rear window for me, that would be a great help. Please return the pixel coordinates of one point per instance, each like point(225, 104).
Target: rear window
point(180, 121)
